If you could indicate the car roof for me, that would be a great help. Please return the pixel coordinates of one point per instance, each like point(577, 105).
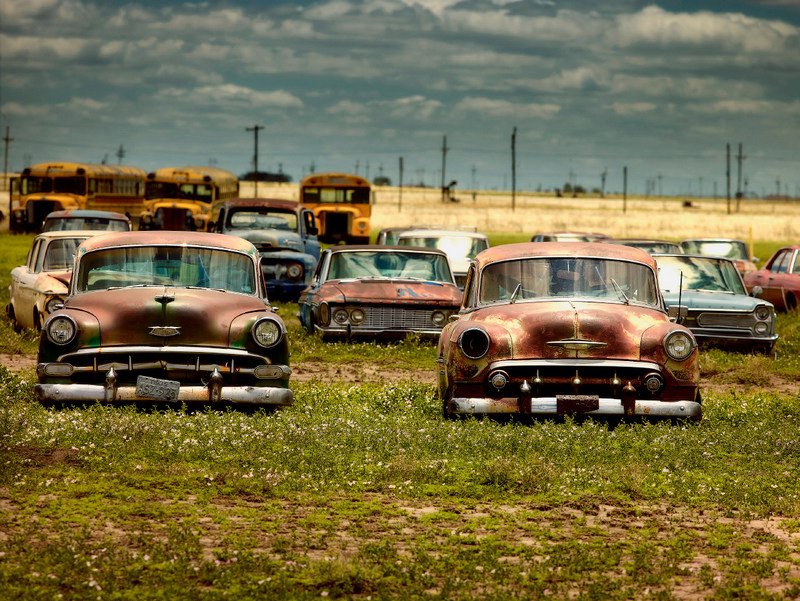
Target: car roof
point(654, 240)
point(86, 213)
point(274, 203)
point(712, 240)
point(525, 250)
point(386, 248)
point(432, 233)
point(167, 238)
point(656, 256)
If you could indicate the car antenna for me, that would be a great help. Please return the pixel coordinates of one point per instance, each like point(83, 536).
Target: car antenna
point(516, 292)
point(680, 293)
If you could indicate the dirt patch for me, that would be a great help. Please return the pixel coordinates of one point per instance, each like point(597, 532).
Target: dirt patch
point(18, 362)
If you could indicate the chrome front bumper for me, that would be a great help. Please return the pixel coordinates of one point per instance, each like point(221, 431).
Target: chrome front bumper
point(548, 406)
point(237, 395)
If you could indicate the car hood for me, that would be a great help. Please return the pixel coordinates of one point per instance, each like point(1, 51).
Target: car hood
point(569, 329)
point(193, 316)
point(263, 239)
point(713, 300)
point(411, 292)
point(61, 276)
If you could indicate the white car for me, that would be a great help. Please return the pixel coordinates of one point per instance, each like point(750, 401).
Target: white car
point(39, 286)
point(460, 246)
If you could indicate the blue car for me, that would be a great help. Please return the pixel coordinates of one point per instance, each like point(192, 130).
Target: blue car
point(707, 295)
point(285, 235)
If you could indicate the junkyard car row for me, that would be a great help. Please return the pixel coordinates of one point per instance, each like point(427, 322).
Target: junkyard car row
point(549, 328)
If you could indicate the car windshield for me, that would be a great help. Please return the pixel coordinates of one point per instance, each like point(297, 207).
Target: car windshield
point(180, 266)
point(456, 247)
point(699, 273)
point(654, 247)
point(568, 277)
point(262, 219)
point(730, 249)
point(85, 223)
point(389, 264)
point(60, 253)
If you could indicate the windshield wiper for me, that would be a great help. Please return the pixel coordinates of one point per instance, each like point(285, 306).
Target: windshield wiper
point(516, 292)
point(623, 297)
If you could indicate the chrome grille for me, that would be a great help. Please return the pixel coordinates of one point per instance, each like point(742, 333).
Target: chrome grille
point(726, 320)
point(396, 318)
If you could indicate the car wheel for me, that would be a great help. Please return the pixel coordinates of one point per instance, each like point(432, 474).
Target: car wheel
point(15, 325)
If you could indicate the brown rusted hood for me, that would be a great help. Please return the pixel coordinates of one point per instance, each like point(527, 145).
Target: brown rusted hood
point(393, 291)
point(61, 276)
point(198, 316)
point(571, 329)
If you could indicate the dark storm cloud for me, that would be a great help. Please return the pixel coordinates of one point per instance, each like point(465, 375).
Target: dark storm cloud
point(336, 81)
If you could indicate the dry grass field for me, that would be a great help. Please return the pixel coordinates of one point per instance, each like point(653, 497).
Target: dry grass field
point(490, 211)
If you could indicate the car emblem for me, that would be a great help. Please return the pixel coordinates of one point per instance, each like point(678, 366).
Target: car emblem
point(577, 344)
point(164, 331)
point(165, 298)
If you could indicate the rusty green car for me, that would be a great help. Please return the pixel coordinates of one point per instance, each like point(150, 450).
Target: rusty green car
point(165, 317)
point(549, 329)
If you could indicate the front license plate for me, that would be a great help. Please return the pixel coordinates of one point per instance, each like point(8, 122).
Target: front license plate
point(571, 404)
point(157, 389)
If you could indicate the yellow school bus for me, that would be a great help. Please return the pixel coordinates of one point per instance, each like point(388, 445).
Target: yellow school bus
point(341, 203)
point(48, 187)
point(181, 198)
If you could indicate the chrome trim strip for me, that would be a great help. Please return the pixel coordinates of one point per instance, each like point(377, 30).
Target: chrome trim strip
point(511, 363)
point(547, 406)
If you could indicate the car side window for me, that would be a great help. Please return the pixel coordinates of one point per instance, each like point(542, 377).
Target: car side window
point(781, 263)
point(33, 254)
point(796, 265)
point(40, 257)
point(469, 288)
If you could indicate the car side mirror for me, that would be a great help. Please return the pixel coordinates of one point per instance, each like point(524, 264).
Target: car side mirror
point(755, 259)
point(757, 292)
point(678, 312)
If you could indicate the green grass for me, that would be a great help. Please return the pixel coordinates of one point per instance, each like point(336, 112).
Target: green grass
point(363, 491)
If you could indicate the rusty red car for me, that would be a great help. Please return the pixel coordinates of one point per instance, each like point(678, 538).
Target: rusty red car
point(379, 292)
point(165, 317)
point(778, 280)
point(549, 329)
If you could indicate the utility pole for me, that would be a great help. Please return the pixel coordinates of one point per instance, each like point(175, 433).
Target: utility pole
point(255, 129)
point(625, 189)
point(120, 154)
point(367, 178)
point(603, 183)
point(739, 159)
point(7, 140)
point(357, 162)
point(444, 162)
point(400, 198)
point(728, 175)
point(514, 170)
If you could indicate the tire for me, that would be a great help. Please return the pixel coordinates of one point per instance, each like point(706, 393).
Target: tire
point(15, 325)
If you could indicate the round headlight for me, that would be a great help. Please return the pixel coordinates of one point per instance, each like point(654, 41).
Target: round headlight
point(357, 316)
point(340, 316)
point(679, 345)
point(474, 343)
point(267, 333)
point(761, 328)
point(324, 314)
point(61, 330)
point(54, 304)
point(763, 313)
point(438, 318)
point(294, 271)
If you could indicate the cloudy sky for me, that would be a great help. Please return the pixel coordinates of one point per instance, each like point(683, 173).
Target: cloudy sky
point(353, 85)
